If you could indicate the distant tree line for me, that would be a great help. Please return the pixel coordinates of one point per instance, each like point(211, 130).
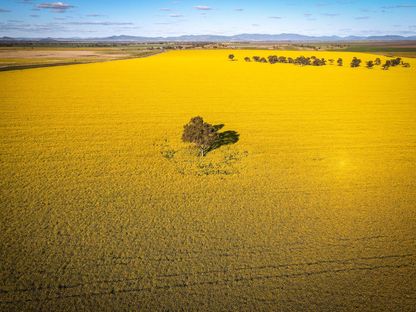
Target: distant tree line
point(315, 61)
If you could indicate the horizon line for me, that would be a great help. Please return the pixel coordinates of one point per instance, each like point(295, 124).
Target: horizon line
point(211, 35)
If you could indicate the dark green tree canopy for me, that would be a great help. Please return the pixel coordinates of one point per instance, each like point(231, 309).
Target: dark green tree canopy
point(355, 62)
point(202, 134)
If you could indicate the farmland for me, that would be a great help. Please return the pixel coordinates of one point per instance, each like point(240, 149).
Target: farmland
point(103, 207)
point(13, 58)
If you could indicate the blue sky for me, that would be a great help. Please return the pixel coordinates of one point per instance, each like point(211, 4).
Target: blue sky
point(32, 18)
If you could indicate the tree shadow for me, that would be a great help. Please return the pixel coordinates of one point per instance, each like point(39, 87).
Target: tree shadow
point(224, 138)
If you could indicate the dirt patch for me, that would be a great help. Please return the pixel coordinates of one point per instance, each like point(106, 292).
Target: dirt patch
point(7, 54)
point(13, 59)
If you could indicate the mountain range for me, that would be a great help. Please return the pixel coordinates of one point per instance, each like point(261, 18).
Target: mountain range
point(218, 38)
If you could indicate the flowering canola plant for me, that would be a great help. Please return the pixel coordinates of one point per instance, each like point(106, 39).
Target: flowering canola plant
point(103, 205)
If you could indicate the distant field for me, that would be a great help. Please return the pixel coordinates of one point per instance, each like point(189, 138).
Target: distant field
point(104, 208)
point(25, 57)
point(390, 51)
point(380, 49)
point(405, 48)
point(393, 48)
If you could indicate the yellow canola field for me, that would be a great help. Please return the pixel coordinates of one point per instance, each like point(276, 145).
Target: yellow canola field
point(102, 207)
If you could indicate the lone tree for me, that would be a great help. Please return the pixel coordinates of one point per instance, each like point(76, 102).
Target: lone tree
point(231, 57)
point(202, 134)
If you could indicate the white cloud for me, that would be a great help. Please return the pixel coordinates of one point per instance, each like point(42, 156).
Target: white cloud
point(100, 23)
point(95, 15)
point(202, 7)
point(55, 6)
point(399, 6)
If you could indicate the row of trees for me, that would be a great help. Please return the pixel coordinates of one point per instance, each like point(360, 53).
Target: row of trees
point(377, 62)
point(301, 60)
point(395, 62)
point(314, 61)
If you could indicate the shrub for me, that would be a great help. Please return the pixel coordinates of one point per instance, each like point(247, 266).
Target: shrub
point(202, 134)
point(339, 62)
point(377, 61)
point(247, 59)
point(231, 57)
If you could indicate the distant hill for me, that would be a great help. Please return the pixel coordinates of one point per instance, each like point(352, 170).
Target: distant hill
point(213, 38)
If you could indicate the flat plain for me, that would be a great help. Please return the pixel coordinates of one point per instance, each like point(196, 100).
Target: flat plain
point(24, 57)
point(104, 208)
